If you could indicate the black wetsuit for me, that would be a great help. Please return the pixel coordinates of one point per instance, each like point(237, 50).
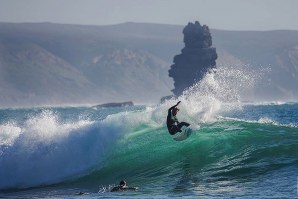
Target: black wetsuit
point(174, 126)
point(119, 188)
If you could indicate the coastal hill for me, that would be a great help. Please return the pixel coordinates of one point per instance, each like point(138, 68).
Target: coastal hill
point(69, 64)
point(54, 64)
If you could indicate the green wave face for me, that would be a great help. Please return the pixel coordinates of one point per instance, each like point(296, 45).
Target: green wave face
point(149, 157)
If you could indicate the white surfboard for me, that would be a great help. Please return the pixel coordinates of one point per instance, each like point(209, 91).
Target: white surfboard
point(186, 132)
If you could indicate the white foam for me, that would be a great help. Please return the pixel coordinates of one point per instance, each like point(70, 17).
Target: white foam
point(262, 120)
point(9, 133)
point(47, 128)
point(266, 120)
point(44, 150)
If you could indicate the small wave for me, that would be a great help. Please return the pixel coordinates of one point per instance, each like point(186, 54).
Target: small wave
point(262, 120)
point(269, 103)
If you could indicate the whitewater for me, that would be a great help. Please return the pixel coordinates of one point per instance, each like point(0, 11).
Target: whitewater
point(236, 150)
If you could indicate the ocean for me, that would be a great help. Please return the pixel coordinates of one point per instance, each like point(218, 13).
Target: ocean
point(248, 151)
point(236, 149)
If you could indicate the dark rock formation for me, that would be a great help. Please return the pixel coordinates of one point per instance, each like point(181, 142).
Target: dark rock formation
point(196, 58)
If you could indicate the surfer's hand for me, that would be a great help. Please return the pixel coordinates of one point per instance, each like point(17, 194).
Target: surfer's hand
point(178, 103)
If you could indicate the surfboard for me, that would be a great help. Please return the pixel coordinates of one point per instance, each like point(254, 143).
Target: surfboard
point(186, 132)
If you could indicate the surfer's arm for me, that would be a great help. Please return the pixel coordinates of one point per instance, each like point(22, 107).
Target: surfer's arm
point(170, 109)
point(115, 189)
point(132, 188)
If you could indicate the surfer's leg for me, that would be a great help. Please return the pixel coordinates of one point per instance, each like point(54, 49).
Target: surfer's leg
point(174, 129)
point(181, 124)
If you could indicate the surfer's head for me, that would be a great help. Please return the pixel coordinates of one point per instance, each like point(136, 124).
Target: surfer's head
point(174, 111)
point(122, 183)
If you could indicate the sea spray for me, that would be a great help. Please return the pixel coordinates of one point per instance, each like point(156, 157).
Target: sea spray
point(44, 150)
point(222, 89)
point(200, 104)
point(9, 132)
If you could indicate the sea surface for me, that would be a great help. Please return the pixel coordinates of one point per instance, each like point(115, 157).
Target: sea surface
point(236, 149)
point(244, 150)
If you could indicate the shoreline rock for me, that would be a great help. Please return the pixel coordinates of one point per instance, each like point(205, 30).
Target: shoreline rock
point(115, 104)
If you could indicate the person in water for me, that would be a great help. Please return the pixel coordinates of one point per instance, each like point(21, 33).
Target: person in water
point(123, 187)
point(174, 126)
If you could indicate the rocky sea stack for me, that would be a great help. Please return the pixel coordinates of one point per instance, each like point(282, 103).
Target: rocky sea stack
point(196, 58)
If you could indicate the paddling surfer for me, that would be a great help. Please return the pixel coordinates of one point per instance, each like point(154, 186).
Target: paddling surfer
point(123, 187)
point(174, 126)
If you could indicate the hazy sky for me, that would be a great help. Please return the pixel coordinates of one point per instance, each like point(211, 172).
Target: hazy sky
point(219, 14)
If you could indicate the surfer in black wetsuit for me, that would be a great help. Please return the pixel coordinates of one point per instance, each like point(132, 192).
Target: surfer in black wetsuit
point(123, 187)
point(174, 126)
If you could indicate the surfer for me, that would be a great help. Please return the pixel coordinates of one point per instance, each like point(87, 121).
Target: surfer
point(80, 193)
point(174, 126)
point(123, 187)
